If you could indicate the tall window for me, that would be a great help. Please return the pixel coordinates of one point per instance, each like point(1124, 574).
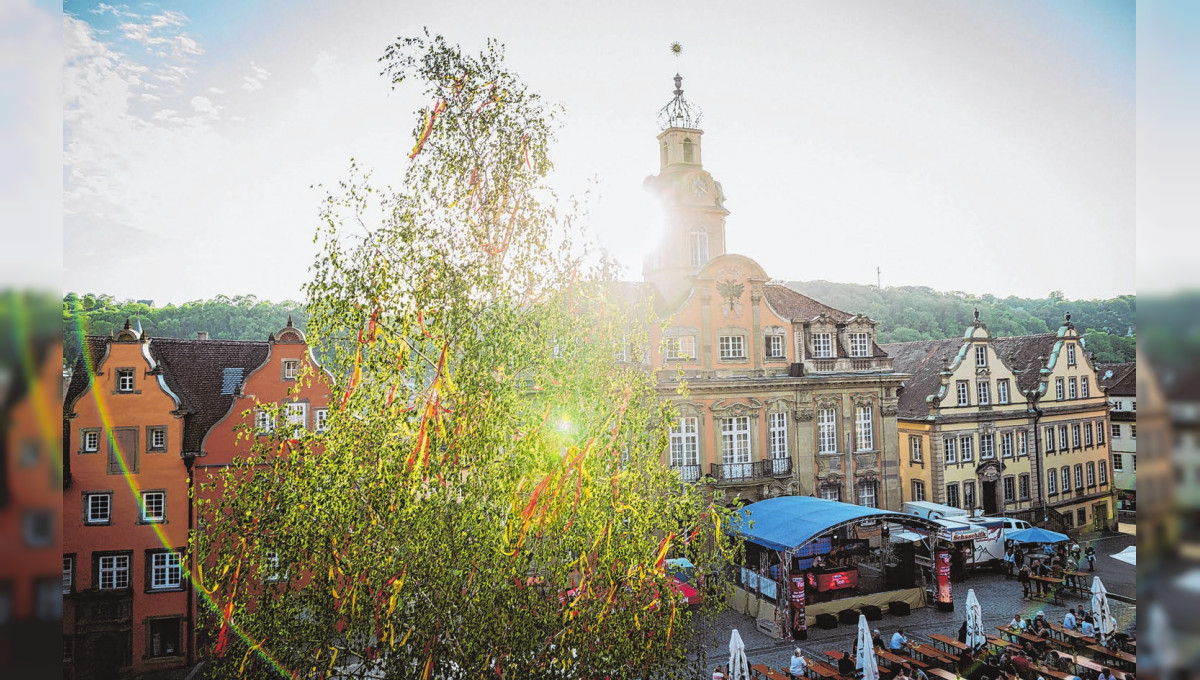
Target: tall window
point(1058, 389)
point(99, 508)
point(1087, 434)
point(1116, 430)
point(698, 241)
point(981, 356)
point(1051, 481)
point(918, 490)
point(320, 419)
point(822, 346)
point(864, 433)
point(859, 345)
point(1075, 440)
point(1073, 388)
point(867, 496)
point(968, 489)
point(827, 430)
point(688, 150)
point(950, 447)
point(685, 443)
point(165, 571)
point(914, 450)
point(1010, 489)
point(1100, 432)
point(1063, 442)
point(987, 446)
point(1023, 486)
point(1048, 440)
point(154, 506)
point(1022, 443)
point(1104, 472)
point(1006, 444)
point(952, 495)
point(966, 448)
point(732, 347)
point(1078, 476)
point(1071, 354)
point(297, 417)
point(1091, 473)
point(113, 572)
point(68, 574)
point(777, 424)
point(1065, 474)
point(735, 445)
point(983, 389)
point(964, 393)
point(1118, 463)
point(1002, 391)
point(263, 422)
point(1084, 390)
point(676, 348)
point(774, 346)
point(1133, 431)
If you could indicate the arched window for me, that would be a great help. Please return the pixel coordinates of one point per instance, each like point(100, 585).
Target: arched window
point(688, 150)
point(663, 153)
point(699, 247)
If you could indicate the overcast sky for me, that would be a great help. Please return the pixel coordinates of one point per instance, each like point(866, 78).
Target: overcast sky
point(987, 147)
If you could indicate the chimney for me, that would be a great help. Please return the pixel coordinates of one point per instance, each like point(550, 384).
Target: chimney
point(201, 335)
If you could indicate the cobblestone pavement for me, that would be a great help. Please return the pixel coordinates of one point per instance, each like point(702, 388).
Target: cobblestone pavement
point(1000, 598)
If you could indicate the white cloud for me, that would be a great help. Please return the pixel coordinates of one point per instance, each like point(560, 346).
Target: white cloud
point(254, 81)
point(204, 106)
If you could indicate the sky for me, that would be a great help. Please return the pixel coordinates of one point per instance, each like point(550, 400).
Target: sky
point(984, 147)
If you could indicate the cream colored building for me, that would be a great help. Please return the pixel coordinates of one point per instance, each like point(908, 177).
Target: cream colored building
point(1010, 426)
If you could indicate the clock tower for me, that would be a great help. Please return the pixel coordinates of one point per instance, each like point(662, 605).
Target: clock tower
point(692, 202)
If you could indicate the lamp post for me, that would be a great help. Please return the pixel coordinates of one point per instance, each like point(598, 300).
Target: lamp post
point(1035, 412)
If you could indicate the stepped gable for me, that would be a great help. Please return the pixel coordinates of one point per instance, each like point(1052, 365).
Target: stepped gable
point(924, 360)
point(195, 371)
point(1122, 382)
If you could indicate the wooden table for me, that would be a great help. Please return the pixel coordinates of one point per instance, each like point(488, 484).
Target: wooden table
point(1122, 657)
point(1074, 637)
point(931, 653)
point(1050, 672)
point(822, 669)
point(1049, 588)
point(1084, 662)
point(942, 674)
point(762, 671)
point(950, 642)
point(1078, 581)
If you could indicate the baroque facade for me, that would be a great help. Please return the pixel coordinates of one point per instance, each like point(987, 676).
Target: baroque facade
point(1015, 426)
point(784, 395)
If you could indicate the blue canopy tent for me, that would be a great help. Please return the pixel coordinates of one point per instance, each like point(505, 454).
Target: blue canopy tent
point(1037, 535)
point(789, 522)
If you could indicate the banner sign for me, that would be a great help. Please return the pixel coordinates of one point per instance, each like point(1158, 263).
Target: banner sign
point(799, 623)
point(942, 574)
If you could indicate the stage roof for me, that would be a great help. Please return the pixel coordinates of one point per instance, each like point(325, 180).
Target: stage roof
point(789, 522)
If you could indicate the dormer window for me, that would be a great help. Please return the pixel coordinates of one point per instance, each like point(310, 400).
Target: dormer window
point(124, 379)
point(822, 346)
point(1071, 355)
point(774, 347)
point(291, 369)
point(981, 357)
point(859, 345)
point(699, 247)
point(689, 150)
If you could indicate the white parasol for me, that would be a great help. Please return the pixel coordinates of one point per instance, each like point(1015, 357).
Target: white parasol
point(1105, 625)
point(975, 638)
point(738, 666)
point(1128, 555)
point(865, 662)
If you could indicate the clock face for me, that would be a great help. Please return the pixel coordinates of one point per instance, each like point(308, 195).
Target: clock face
point(699, 188)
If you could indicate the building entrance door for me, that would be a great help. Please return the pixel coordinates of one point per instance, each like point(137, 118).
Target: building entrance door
point(989, 497)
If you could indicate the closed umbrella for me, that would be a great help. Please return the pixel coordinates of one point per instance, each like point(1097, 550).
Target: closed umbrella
point(865, 662)
point(738, 666)
point(1105, 625)
point(975, 637)
point(1163, 657)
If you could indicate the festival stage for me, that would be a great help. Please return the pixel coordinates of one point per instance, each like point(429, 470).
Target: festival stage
point(761, 608)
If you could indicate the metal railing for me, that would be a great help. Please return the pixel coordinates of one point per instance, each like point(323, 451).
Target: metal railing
point(688, 473)
point(759, 469)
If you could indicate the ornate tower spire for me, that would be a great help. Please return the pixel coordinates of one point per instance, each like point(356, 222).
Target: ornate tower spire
point(679, 112)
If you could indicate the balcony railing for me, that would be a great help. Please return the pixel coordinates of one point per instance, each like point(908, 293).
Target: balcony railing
point(759, 469)
point(688, 473)
point(848, 364)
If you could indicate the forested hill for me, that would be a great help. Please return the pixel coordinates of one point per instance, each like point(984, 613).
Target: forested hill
point(903, 313)
point(243, 317)
point(907, 313)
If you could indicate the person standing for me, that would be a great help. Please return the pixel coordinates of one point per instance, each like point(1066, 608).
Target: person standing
point(1009, 563)
point(1023, 578)
point(1090, 554)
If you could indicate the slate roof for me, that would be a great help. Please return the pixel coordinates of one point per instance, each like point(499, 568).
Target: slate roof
point(793, 305)
point(923, 359)
point(1181, 384)
point(195, 370)
point(1123, 382)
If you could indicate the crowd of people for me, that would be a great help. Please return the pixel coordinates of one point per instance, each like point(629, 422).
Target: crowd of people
point(1050, 562)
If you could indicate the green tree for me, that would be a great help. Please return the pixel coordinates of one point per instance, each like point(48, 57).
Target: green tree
point(488, 499)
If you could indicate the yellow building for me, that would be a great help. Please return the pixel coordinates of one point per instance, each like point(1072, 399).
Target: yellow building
point(1009, 426)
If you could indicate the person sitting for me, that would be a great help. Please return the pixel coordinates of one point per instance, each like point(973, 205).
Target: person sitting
point(719, 673)
point(845, 665)
point(1106, 674)
point(1021, 665)
point(1087, 628)
point(900, 674)
point(899, 640)
point(798, 668)
point(877, 639)
point(1016, 622)
point(1069, 621)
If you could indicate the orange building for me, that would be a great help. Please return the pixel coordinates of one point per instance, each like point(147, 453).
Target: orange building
point(140, 415)
point(30, 510)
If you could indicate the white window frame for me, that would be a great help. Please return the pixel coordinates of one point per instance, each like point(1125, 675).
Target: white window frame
point(864, 428)
point(731, 346)
point(1002, 391)
point(92, 517)
point(166, 570)
point(1048, 438)
point(685, 442)
point(148, 498)
point(1076, 438)
point(964, 393)
point(868, 494)
point(1078, 476)
point(1022, 443)
point(1052, 481)
point(831, 493)
point(264, 421)
point(983, 390)
point(320, 419)
point(291, 369)
point(68, 574)
point(1132, 431)
point(1060, 391)
point(1085, 390)
point(1072, 388)
point(296, 413)
point(778, 437)
point(1006, 445)
point(827, 436)
point(987, 446)
point(125, 380)
point(915, 454)
point(1071, 354)
point(735, 440)
point(966, 448)
point(1087, 434)
point(980, 356)
point(1010, 489)
point(679, 347)
point(1064, 475)
point(698, 247)
point(918, 490)
point(1118, 462)
point(114, 569)
point(1100, 433)
point(860, 345)
point(158, 439)
point(822, 346)
point(1091, 473)
point(952, 498)
point(1064, 440)
point(1117, 405)
point(1103, 472)
point(91, 441)
point(950, 449)
point(774, 346)
point(1024, 487)
point(1116, 430)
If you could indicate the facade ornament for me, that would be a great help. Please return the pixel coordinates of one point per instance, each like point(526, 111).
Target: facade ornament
point(889, 410)
point(804, 415)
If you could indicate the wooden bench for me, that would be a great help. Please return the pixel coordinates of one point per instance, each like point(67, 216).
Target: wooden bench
point(1049, 590)
point(822, 669)
point(950, 642)
point(1125, 659)
point(931, 653)
point(762, 671)
point(942, 674)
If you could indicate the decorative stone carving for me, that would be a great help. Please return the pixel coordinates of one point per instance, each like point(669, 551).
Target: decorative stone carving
point(804, 415)
point(737, 409)
point(989, 471)
point(889, 410)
